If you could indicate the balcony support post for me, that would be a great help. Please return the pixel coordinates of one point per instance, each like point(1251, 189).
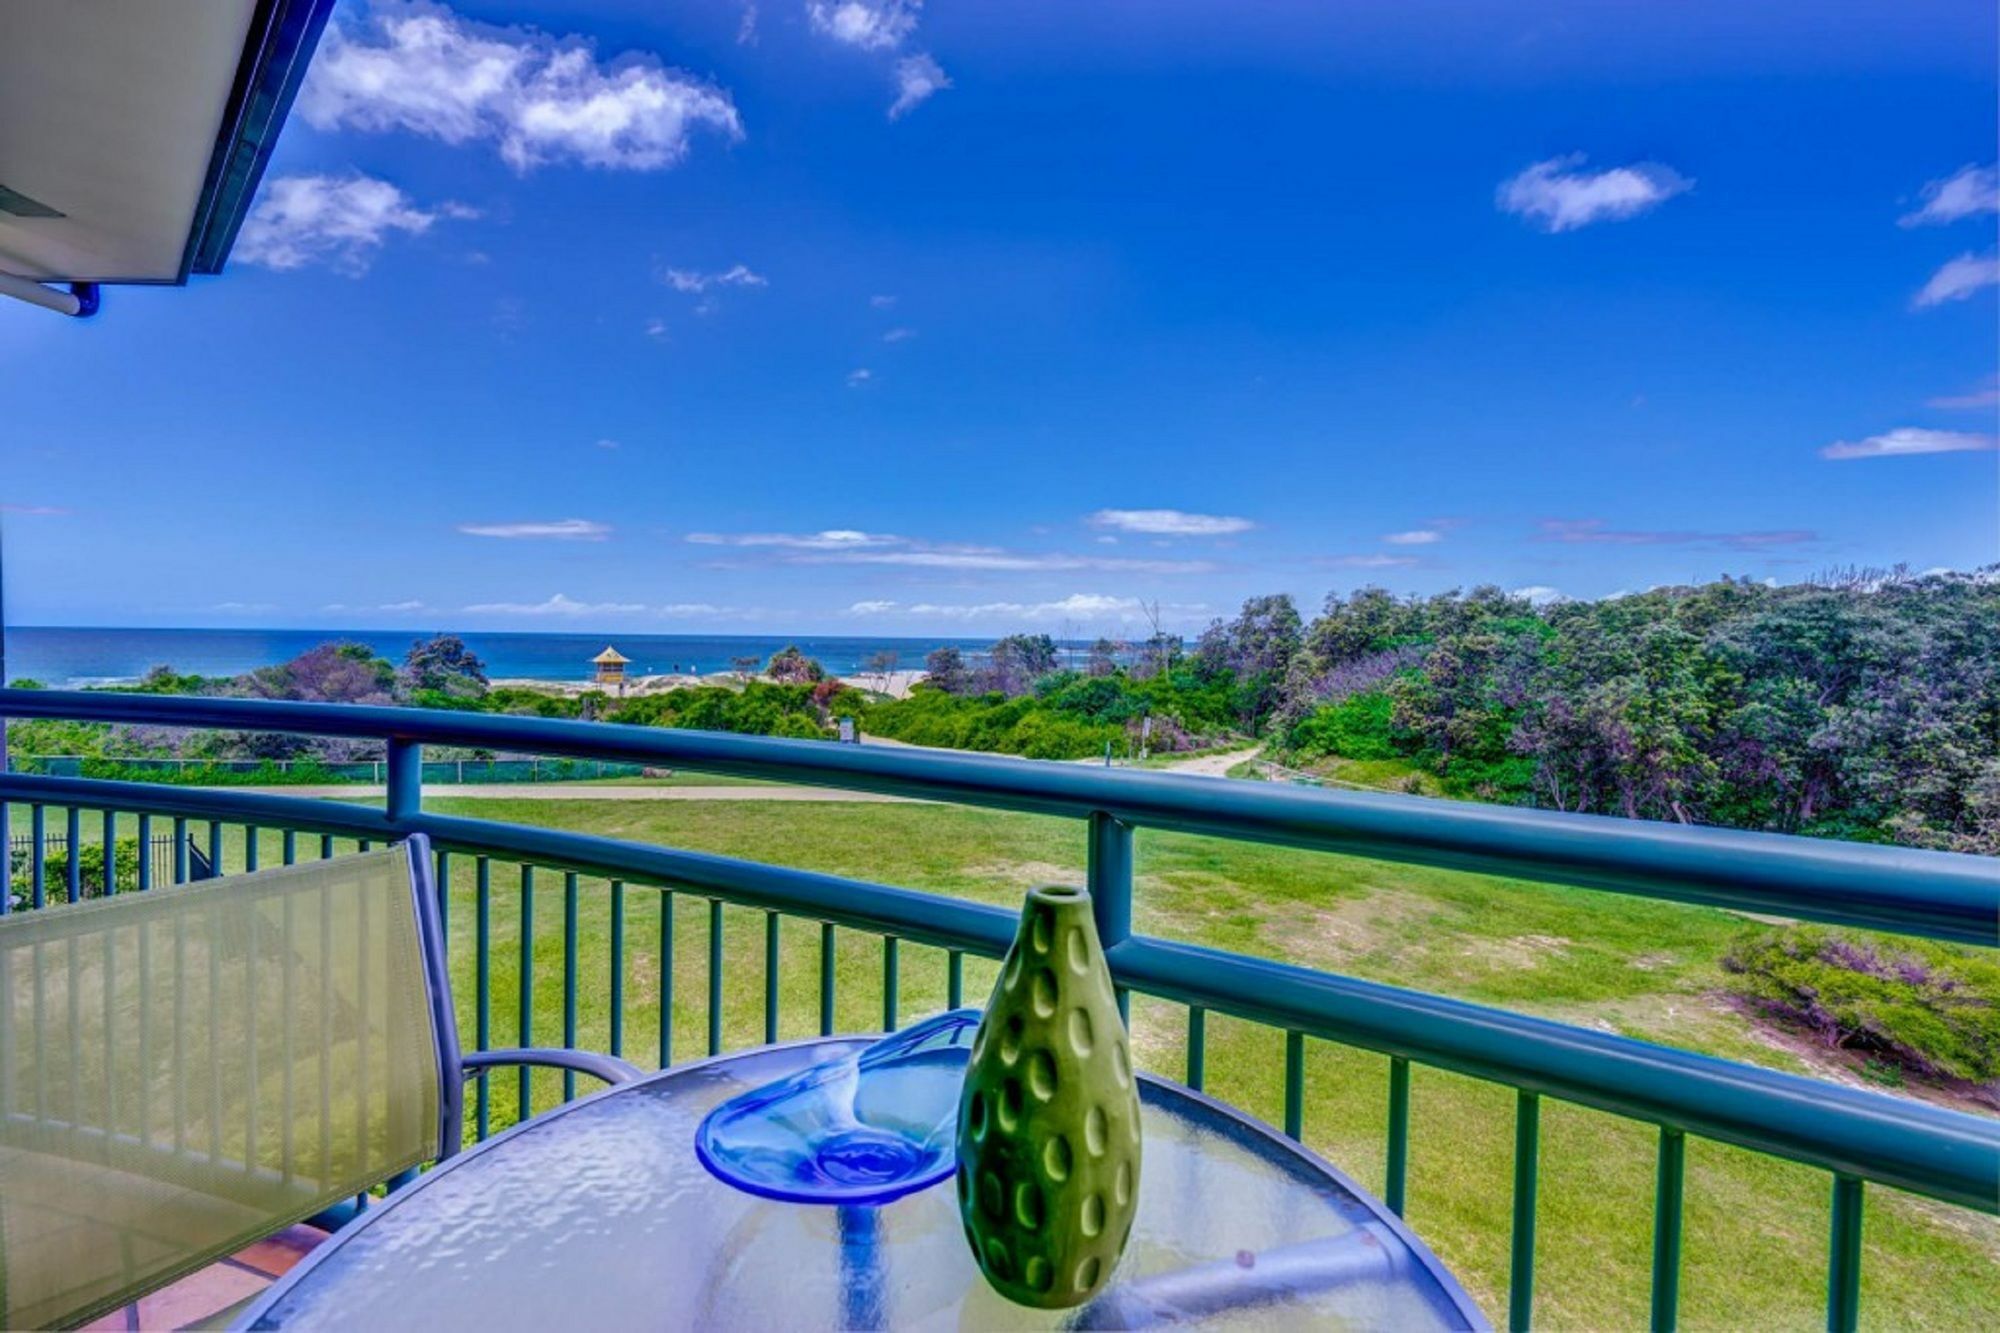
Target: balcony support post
point(1110, 883)
point(406, 780)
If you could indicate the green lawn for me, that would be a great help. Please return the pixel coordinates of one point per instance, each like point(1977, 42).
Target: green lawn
point(1756, 1227)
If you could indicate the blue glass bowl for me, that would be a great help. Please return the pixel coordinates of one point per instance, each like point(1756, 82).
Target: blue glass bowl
point(868, 1127)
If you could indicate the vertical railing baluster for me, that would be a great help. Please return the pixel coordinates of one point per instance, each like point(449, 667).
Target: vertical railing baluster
point(954, 979)
point(6, 869)
point(145, 853)
point(289, 847)
point(1295, 1083)
point(215, 846)
point(1397, 1174)
point(1197, 1047)
point(73, 854)
point(110, 885)
point(181, 859)
point(1527, 1160)
point(443, 877)
point(326, 846)
point(38, 855)
point(1667, 1197)
point(715, 976)
point(826, 978)
point(770, 977)
point(618, 967)
point(1110, 882)
point(482, 984)
point(250, 834)
point(1843, 1276)
point(526, 1029)
point(891, 982)
point(666, 978)
point(569, 978)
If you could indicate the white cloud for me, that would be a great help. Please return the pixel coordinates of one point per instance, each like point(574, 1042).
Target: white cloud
point(832, 539)
point(1597, 532)
point(870, 608)
point(688, 280)
point(1414, 537)
point(1907, 440)
point(918, 79)
point(403, 606)
point(1541, 594)
point(859, 377)
point(882, 302)
point(1986, 395)
point(1958, 279)
point(998, 560)
point(675, 609)
point(746, 27)
point(337, 220)
point(1373, 561)
point(848, 546)
point(656, 329)
point(1969, 191)
point(242, 608)
point(898, 335)
point(419, 67)
point(1099, 607)
point(607, 444)
point(557, 605)
point(1170, 522)
point(871, 25)
point(561, 529)
point(1556, 197)
point(35, 511)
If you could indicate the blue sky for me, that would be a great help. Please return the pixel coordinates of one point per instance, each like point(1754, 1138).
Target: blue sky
point(968, 317)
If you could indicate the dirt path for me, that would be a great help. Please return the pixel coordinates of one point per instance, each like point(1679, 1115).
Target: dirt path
point(1210, 765)
point(570, 791)
point(1206, 765)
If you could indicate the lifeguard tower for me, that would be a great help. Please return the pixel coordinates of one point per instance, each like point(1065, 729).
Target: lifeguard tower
point(611, 666)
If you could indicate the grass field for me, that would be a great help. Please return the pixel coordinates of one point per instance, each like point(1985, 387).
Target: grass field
point(1755, 1227)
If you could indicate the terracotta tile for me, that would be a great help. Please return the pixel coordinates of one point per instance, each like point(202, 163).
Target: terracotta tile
point(197, 1296)
point(275, 1255)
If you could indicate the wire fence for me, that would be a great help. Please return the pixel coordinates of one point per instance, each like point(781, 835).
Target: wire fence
point(217, 772)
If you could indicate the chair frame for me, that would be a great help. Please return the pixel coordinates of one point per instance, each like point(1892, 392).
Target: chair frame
point(456, 1066)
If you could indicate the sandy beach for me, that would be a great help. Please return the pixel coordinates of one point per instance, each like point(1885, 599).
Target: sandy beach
point(894, 684)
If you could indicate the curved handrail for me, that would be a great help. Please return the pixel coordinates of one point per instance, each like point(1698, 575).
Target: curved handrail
point(1945, 1154)
point(1938, 894)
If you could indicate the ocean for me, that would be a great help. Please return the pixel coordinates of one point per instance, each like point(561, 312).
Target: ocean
point(67, 658)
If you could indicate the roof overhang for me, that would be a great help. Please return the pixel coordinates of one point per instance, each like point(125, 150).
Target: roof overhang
point(133, 136)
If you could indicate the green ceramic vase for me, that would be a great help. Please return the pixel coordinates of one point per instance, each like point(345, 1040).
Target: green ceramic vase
point(1048, 1124)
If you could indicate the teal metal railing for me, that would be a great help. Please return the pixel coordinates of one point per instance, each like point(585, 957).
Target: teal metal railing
point(1858, 1136)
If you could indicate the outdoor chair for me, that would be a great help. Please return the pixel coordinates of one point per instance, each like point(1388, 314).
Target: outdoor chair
point(188, 1070)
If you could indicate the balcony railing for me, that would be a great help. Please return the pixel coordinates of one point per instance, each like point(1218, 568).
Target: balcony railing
point(1856, 1135)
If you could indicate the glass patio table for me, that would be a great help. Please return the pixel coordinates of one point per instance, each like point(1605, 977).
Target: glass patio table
point(598, 1215)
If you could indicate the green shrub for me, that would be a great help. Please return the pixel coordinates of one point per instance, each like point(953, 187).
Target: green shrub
point(1927, 1008)
point(1358, 727)
point(90, 870)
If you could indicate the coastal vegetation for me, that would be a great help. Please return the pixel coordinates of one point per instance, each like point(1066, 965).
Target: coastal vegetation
point(1862, 705)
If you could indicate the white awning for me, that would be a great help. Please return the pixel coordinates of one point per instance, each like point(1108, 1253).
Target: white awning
point(132, 134)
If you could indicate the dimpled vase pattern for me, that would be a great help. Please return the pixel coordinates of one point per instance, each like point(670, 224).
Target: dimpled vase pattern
point(1048, 1124)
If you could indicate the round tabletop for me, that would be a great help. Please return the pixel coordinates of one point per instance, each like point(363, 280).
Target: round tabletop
point(598, 1215)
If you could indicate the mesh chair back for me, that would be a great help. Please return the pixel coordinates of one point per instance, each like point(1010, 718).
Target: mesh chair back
point(186, 1070)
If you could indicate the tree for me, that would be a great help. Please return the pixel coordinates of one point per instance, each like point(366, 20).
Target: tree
point(745, 667)
point(789, 666)
point(1103, 659)
point(881, 664)
point(944, 670)
point(445, 664)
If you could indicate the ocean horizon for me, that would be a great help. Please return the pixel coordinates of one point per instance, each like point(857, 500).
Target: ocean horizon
point(71, 657)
